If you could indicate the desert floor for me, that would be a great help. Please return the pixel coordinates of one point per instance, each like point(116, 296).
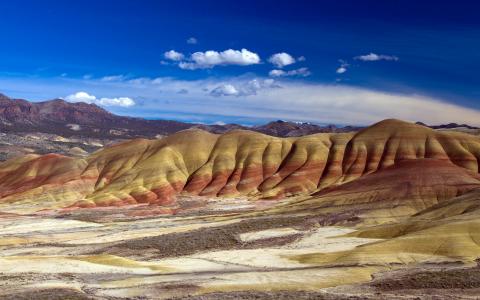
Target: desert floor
point(213, 249)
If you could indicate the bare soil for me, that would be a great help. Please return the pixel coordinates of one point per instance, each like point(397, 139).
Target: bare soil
point(443, 279)
point(216, 238)
point(48, 294)
point(281, 295)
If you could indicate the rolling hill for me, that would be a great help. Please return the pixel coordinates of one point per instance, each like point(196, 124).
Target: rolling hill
point(394, 163)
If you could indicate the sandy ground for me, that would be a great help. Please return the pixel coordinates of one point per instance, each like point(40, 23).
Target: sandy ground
point(216, 254)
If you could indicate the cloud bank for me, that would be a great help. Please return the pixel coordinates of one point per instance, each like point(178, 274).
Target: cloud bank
point(246, 98)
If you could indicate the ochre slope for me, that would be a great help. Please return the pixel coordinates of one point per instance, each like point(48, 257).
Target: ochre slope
point(148, 171)
point(200, 163)
point(249, 163)
point(390, 141)
point(47, 181)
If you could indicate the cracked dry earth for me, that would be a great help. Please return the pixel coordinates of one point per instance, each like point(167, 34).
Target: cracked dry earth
point(228, 251)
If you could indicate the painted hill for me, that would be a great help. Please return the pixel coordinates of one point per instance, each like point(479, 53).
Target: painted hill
point(402, 162)
point(392, 193)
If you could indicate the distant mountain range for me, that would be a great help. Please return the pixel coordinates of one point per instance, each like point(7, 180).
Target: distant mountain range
point(81, 119)
point(448, 126)
point(89, 120)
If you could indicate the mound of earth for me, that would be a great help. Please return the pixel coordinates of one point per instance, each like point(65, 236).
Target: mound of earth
point(395, 159)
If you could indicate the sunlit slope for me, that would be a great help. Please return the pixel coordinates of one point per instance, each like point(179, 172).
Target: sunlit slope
point(200, 163)
point(48, 181)
point(248, 163)
point(461, 209)
point(448, 231)
point(453, 241)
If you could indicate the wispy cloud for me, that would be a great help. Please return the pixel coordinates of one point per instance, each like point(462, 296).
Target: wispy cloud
point(192, 41)
point(376, 57)
point(304, 72)
point(248, 88)
point(113, 78)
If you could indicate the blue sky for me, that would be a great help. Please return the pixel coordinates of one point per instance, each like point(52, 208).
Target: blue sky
point(342, 62)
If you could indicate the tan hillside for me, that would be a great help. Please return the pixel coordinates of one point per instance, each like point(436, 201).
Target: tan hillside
point(245, 163)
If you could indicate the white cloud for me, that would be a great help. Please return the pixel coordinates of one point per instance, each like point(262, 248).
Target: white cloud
point(298, 72)
point(225, 90)
point(341, 70)
point(301, 58)
point(87, 98)
point(277, 73)
point(210, 59)
point(376, 57)
point(173, 55)
point(81, 97)
point(192, 41)
point(121, 101)
point(281, 60)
